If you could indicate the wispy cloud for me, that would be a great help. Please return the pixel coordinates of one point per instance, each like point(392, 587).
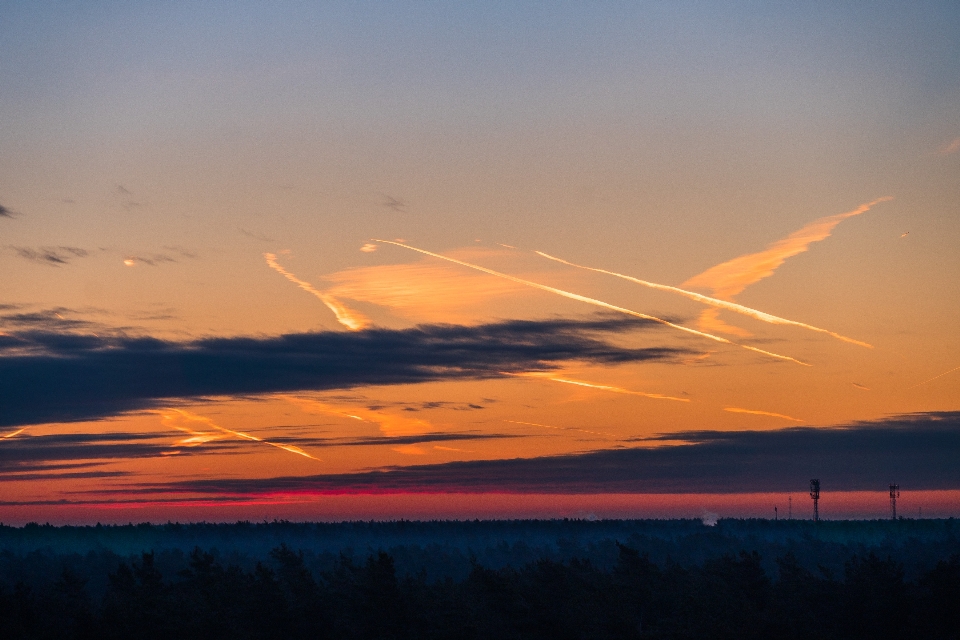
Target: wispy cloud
point(5, 212)
point(347, 317)
point(150, 259)
point(394, 204)
point(388, 423)
point(950, 147)
point(730, 278)
point(423, 291)
point(52, 256)
point(108, 375)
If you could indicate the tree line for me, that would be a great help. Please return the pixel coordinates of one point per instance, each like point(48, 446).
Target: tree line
point(729, 596)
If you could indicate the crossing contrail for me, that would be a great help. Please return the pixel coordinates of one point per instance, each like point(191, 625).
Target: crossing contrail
point(715, 302)
point(350, 319)
point(246, 436)
point(595, 302)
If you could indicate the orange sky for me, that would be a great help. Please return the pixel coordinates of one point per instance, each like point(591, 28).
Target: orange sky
point(781, 202)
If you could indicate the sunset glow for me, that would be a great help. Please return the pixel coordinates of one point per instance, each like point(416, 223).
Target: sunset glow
point(324, 261)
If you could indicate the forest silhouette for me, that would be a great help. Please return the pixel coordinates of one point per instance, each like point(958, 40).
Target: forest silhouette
point(513, 579)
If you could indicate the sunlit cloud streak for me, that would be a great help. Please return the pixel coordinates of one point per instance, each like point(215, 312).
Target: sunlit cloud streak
point(12, 433)
point(389, 424)
point(66, 377)
point(935, 377)
point(757, 412)
point(860, 386)
point(170, 416)
point(595, 302)
point(950, 147)
point(423, 292)
point(730, 278)
point(350, 319)
point(715, 302)
point(601, 387)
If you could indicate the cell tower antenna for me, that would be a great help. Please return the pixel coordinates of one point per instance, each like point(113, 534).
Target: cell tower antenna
point(894, 494)
point(815, 494)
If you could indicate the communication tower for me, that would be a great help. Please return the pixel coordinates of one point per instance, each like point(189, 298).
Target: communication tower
point(815, 494)
point(894, 494)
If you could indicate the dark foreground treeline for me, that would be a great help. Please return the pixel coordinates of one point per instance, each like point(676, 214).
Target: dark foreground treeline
point(519, 579)
point(727, 597)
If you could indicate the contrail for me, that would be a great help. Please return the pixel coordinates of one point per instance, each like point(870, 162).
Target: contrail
point(761, 413)
point(860, 386)
point(715, 302)
point(239, 434)
point(595, 302)
point(350, 319)
point(547, 426)
point(602, 387)
point(935, 377)
point(15, 433)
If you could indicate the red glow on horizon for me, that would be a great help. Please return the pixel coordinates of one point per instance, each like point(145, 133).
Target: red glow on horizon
point(396, 505)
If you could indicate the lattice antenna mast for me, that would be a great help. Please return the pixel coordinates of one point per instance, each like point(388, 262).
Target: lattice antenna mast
point(815, 494)
point(894, 494)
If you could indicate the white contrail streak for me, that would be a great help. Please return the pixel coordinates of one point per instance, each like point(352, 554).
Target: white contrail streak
point(714, 302)
point(595, 302)
point(761, 413)
point(602, 387)
point(935, 377)
point(350, 319)
point(547, 426)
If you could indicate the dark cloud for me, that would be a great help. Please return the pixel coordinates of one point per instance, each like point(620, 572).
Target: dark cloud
point(920, 451)
point(255, 236)
point(79, 377)
point(184, 253)
point(25, 452)
point(53, 256)
point(53, 475)
point(395, 204)
point(63, 454)
point(5, 213)
point(58, 319)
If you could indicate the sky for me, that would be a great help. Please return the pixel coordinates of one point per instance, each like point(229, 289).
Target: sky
point(326, 261)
